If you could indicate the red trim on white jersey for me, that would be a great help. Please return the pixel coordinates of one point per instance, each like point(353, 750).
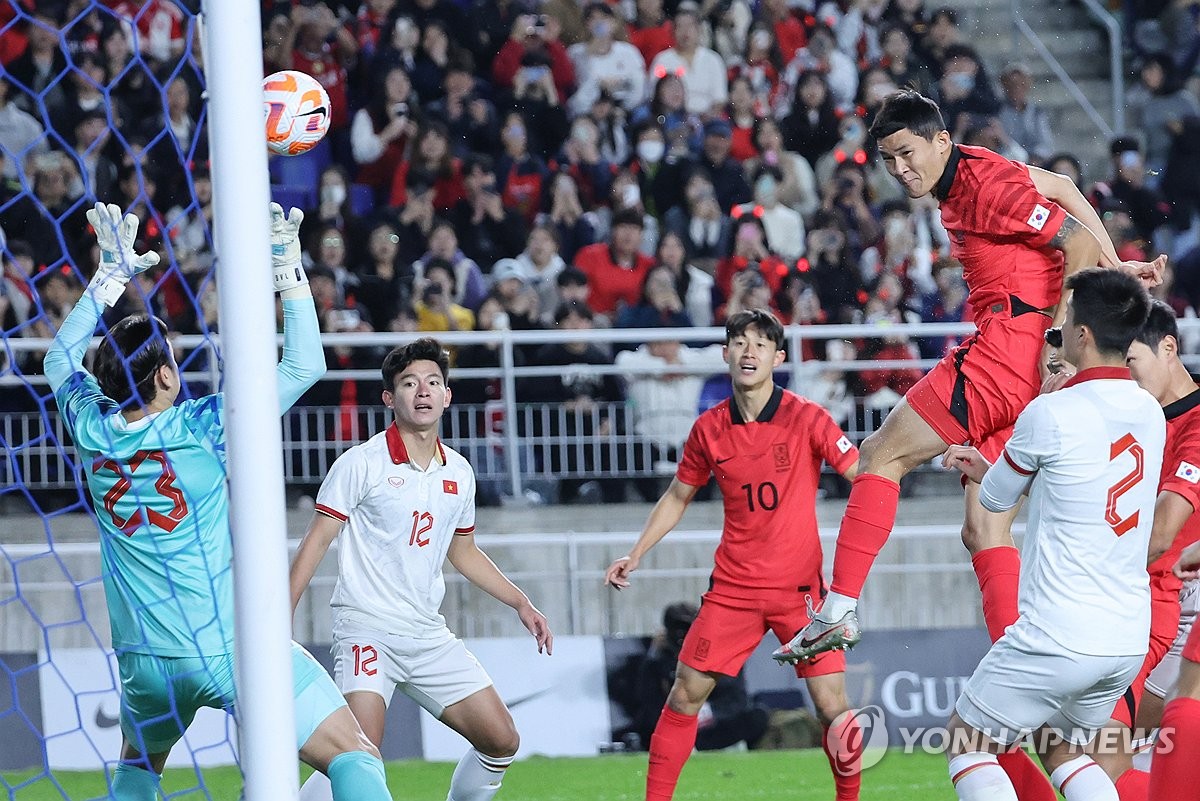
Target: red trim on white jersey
point(464, 531)
point(1016, 466)
point(1094, 373)
point(328, 512)
point(399, 453)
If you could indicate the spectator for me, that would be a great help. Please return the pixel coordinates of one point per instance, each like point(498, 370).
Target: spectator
point(885, 387)
point(742, 114)
point(573, 287)
point(592, 412)
point(660, 304)
point(798, 185)
point(811, 127)
point(21, 135)
point(189, 229)
point(132, 92)
point(784, 226)
point(327, 250)
point(491, 229)
point(904, 66)
point(371, 27)
point(650, 31)
point(1146, 206)
point(1068, 165)
point(39, 68)
point(401, 48)
point(965, 88)
point(50, 210)
point(381, 131)
point(659, 177)
point(821, 54)
point(1181, 178)
point(468, 285)
point(706, 231)
point(160, 28)
point(84, 92)
point(941, 34)
point(700, 69)
point(471, 119)
point(580, 159)
point(573, 227)
point(433, 58)
point(494, 19)
point(897, 251)
point(695, 286)
point(435, 305)
point(830, 266)
point(667, 109)
point(91, 135)
point(910, 14)
point(449, 16)
point(540, 103)
point(626, 196)
point(431, 153)
point(728, 26)
point(726, 175)
point(798, 304)
point(616, 269)
point(603, 63)
point(490, 317)
point(386, 279)
point(989, 132)
point(750, 252)
point(748, 290)
point(848, 193)
point(610, 126)
point(520, 301)
point(540, 265)
point(761, 68)
point(333, 208)
point(417, 217)
point(1162, 115)
point(532, 56)
point(1026, 122)
point(947, 303)
point(317, 45)
point(521, 174)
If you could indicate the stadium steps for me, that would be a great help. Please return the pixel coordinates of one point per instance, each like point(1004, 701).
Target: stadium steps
point(1079, 44)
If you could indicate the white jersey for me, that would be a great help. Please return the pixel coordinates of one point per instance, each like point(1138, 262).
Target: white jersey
point(1093, 451)
point(399, 523)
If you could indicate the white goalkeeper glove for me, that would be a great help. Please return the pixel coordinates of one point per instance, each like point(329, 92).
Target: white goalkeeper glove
point(286, 267)
point(118, 262)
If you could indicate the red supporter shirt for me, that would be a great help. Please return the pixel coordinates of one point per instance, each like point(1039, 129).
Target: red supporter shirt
point(768, 471)
point(1000, 228)
point(1181, 475)
point(330, 73)
point(608, 283)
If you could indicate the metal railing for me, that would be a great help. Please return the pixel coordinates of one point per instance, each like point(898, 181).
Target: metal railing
point(1116, 69)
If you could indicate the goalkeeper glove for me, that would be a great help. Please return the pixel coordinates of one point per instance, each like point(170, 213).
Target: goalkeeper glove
point(286, 268)
point(118, 261)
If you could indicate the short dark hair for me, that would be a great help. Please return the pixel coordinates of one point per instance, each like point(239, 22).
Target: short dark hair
point(1159, 325)
point(571, 276)
point(1113, 305)
point(628, 217)
point(569, 307)
point(908, 108)
point(767, 324)
point(129, 356)
point(420, 350)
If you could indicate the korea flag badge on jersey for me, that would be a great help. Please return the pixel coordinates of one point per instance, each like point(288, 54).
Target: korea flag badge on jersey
point(1188, 472)
point(1037, 220)
point(843, 444)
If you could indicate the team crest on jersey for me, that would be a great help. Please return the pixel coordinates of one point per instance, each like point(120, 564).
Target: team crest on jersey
point(1037, 220)
point(1188, 472)
point(449, 487)
point(396, 481)
point(843, 444)
point(783, 459)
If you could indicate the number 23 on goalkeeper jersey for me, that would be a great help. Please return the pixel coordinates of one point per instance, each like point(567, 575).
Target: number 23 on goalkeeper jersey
point(399, 522)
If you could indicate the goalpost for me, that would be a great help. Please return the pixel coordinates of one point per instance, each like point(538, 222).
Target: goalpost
point(233, 65)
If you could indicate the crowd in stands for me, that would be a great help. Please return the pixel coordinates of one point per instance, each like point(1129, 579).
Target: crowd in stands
point(530, 164)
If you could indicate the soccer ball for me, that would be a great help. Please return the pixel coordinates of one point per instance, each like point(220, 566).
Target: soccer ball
point(297, 112)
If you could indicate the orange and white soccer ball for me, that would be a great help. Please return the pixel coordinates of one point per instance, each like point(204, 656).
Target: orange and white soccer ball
point(297, 112)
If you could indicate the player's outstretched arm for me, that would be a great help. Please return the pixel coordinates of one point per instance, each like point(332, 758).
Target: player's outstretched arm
point(321, 533)
point(118, 263)
point(478, 568)
point(1171, 511)
point(303, 361)
point(1063, 191)
point(665, 515)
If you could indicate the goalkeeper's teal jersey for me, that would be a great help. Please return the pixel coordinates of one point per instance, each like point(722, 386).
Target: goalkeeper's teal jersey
point(159, 487)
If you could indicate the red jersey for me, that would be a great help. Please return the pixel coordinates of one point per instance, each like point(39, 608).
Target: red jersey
point(1181, 475)
point(330, 73)
point(610, 284)
point(768, 471)
point(1000, 228)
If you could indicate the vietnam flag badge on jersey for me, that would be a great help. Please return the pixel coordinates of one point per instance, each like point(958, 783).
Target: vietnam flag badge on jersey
point(449, 487)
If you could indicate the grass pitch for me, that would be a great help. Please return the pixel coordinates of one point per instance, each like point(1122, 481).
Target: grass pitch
point(774, 775)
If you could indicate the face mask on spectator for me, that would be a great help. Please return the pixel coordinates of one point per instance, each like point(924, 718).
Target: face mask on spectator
point(963, 81)
point(334, 194)
point(765, 188)
point(651, 150)
point(601, 28)
point(515, 131)
point(760, 39)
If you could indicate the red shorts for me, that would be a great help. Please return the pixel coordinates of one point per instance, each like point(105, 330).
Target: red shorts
point(1164, 626)
point(974, 394)
point(727, 631)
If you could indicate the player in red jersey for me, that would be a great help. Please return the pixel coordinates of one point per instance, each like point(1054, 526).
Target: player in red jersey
point(1018, 231)
point(1155, 364)
point(765, 446)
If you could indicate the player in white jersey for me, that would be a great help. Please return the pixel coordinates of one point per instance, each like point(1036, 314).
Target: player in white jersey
point(1089, 457)
point(403, 503)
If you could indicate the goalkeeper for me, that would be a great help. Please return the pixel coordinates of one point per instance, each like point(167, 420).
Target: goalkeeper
point(156, 472)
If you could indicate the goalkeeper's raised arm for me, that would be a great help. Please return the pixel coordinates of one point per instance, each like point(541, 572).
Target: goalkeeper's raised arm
point(303, 361)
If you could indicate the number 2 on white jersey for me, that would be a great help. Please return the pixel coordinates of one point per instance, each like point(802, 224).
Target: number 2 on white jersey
point(1121, 525)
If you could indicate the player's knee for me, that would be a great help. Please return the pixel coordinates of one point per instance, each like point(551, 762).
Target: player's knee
point(687, 696)
point(828, 706)
point(501, 742)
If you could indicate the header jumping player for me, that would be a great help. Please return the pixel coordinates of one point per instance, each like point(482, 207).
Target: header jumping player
point(765, 446)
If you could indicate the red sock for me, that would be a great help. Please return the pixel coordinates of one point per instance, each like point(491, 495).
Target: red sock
point(999, 574)
point(1175, 773)
point(670, 746)
point(1133, 785)
point(843, 747)
point(870, 515)
point(1027, 778)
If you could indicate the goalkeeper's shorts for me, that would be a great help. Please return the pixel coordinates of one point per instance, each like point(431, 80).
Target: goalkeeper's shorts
point(160, 695)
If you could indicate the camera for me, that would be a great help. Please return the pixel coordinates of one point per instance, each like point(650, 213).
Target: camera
point(431, 291)
point(346, 318)
point(400, 109)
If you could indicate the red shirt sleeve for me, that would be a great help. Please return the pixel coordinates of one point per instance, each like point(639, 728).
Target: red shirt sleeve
point(506, 63)
point(695, 466)
point(1009, 205)
point(830, 441)
point(1181, 468)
